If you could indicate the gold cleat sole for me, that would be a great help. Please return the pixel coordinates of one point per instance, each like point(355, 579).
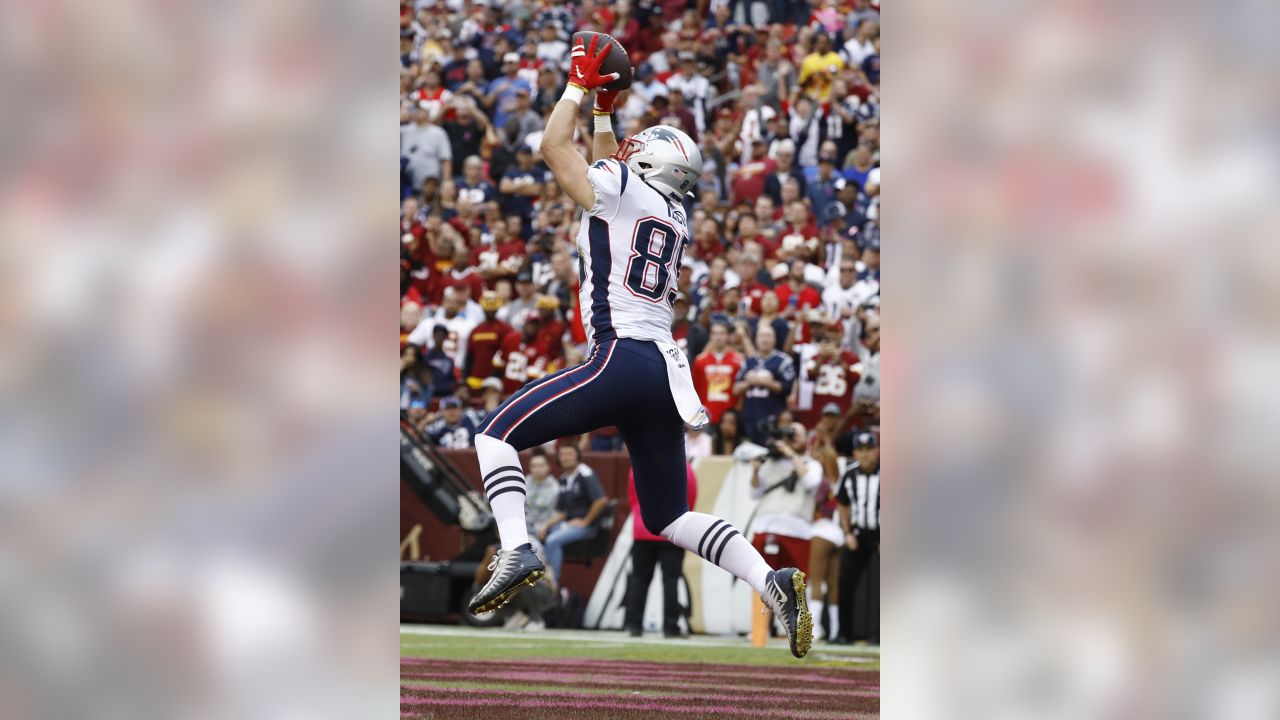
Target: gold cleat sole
point(505, 597)
point(804, 621)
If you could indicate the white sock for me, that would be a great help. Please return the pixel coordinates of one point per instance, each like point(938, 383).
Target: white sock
point(504, 487)
point(834, 619)
point(720, 543)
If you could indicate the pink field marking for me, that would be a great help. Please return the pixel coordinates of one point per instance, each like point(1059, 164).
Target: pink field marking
point(672, 671)
point(603, 704)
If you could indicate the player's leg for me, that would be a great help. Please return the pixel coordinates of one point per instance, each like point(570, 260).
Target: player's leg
point(655, 441)
point(569, 402)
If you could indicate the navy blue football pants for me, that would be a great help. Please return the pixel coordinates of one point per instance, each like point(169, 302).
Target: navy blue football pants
point(623, 383)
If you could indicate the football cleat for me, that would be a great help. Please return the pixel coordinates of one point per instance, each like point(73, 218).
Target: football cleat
point(785, 595)
point(512, 570)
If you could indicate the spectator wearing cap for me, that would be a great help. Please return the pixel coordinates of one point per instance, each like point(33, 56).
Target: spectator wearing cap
point(485, 341)
point(440, 363)
point(552, 49)
point(526, 299)
point(548, 91)
point(500, 97)
point(552, 329)
point(523, 116)
point(522, 184)
point(795, 295)
point(463, 274)
point(859, 497)
point(455, 68)
point(490, 400)
point(646, 85)
point(821, 190)
point(820, 68)
point(679, 115)
point(693, 88)
point(418, 415)
point(453, 429)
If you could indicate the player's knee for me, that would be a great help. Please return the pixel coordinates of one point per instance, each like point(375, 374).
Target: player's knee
point(671, 526)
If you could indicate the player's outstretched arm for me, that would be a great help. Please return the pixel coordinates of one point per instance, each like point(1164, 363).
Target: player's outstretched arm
point(568, 167)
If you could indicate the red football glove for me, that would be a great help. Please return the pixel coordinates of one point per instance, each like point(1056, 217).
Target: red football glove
point(585, 68)
point(605, 100)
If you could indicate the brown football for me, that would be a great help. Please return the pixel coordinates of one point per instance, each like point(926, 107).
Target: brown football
point(616, 62)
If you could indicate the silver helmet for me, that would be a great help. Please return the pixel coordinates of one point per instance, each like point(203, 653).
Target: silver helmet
point(665, 158)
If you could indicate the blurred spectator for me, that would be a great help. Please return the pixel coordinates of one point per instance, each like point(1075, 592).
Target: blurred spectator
point(727, 435)
point(764, 383)
point(697, 443)
point(500, 97)
point(490, 398)
point(439, 363)
point(692, 89)
point(786, 483)
point(542, 491)
point(453, 429)
point(522, 357)
point(748, 181)
point(579, 503)
point(425, 147)
point(820, 68)
point(648, 549)
point(714, 372)
point(485, 341)
point(784, 170)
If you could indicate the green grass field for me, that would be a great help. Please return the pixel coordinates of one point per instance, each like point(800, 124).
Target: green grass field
point(456, 672)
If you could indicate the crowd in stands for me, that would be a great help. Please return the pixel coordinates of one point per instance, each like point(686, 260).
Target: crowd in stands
point(779, 298)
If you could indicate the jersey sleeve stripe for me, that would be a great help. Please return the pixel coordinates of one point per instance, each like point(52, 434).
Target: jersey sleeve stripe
point(625, 173)
point(601, 264)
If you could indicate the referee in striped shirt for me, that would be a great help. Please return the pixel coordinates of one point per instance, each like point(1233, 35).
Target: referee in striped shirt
point(859, 496)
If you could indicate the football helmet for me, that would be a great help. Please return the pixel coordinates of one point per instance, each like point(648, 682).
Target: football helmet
point(665, 158)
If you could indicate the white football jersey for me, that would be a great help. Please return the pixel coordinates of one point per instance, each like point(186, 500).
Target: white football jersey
point(630, 245)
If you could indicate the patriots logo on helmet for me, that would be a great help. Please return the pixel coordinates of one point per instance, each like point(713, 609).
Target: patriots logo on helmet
point(662, 133)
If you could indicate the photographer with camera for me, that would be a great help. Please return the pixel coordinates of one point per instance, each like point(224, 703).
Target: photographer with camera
point(786, 480)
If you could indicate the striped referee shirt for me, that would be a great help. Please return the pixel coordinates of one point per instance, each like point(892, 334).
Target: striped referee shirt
point(860, 490)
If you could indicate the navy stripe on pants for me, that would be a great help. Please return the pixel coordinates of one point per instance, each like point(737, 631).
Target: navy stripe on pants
point(624, 384)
